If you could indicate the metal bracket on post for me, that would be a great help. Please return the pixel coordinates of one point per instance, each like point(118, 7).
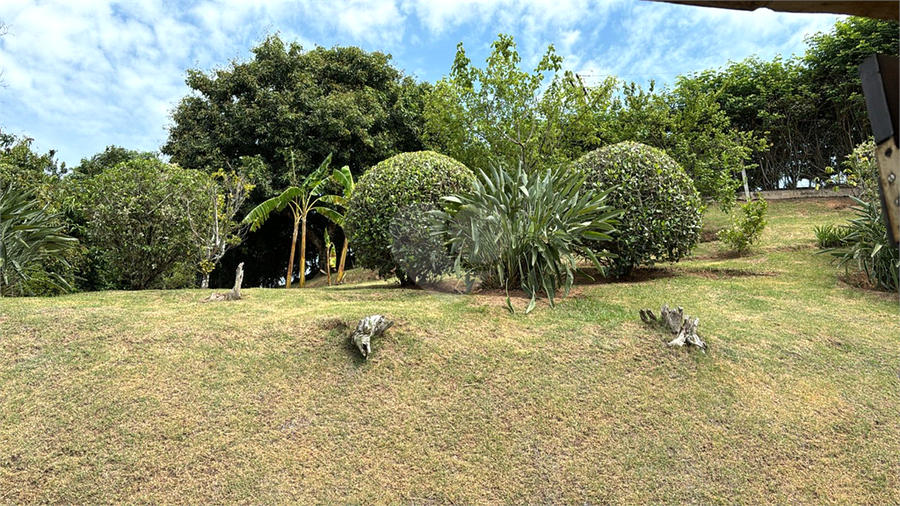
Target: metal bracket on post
point(880, 77)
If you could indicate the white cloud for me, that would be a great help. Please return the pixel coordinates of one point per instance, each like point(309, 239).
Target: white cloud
point(81, 75)
point(659, 41)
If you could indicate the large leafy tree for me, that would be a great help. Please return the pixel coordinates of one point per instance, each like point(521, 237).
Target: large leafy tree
point(285, 99)
point(507, 115)
point(831, 66)
point(342, 100)
point(135, 215)
point(689, 125)
point(809, 109)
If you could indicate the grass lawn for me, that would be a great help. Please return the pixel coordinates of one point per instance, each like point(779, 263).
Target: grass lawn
point(154, 397)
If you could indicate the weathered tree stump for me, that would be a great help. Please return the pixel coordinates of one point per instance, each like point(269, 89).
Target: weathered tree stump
point(369, 327)
point(678, 323)
point(235, 293)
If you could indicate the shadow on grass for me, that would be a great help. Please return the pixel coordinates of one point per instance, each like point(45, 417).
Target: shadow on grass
point(644, 274)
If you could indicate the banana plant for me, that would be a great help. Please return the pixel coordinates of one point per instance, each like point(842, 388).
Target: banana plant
point(343, 177)
point(301, 200)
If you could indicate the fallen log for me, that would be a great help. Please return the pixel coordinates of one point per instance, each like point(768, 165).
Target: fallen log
point(369, 327)
point(676, 322)
point(235, 293)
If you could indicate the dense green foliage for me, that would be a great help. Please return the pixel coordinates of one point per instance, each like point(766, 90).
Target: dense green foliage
point(29, 236)
point(784, 121)
point(385, 219)
point(690, 126)
point(862, 244)
point(865, 247)
point(502, 114)
point(661, 208)
point(830, 236)
point(747, 229)
point(137, 220)
point(42, 179)
point(525, 230)
point(108, 158)
point(286, 101)
point(549, 117)
point(810, 110)
point(342, 100)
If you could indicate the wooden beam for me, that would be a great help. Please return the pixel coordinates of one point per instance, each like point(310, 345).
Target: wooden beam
point(877, 10)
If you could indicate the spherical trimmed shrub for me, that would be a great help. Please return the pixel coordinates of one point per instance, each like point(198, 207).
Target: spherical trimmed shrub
point(662, 209)
point(386, 220)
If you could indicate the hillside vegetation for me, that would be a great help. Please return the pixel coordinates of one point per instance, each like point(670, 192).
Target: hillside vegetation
point(154, 397)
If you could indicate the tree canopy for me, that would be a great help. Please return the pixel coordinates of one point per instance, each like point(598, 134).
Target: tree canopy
point(342, 100)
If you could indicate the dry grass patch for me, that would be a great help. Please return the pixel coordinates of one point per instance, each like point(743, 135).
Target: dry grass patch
point(154, 397)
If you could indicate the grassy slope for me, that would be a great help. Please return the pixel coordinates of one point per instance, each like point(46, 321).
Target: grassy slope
point(154, 397)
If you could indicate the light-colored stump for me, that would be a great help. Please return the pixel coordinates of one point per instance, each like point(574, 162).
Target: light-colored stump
point(235, 293)
point(678, 323)
point(369, 327)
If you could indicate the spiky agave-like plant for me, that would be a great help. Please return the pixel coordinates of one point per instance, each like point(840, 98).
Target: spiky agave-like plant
point(516, 228)
point(29, 234)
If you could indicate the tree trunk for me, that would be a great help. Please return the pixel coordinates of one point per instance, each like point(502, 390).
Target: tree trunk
point(677, 323)
point(366, 329)
point(235, 293)
point(340, 273)
point(204, 283)
point(238, 280)
point(328, 263)
point(290, 273)
point(303, 255)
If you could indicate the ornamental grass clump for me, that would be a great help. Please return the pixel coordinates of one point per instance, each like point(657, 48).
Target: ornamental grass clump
point(515, 229)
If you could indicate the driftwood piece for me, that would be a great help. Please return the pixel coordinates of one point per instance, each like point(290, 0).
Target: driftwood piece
point(678, 323)
point(369, 327)
point(235, 293)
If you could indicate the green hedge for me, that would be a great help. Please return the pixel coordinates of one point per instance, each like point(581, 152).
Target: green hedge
point(662, 209)
point(388, 232)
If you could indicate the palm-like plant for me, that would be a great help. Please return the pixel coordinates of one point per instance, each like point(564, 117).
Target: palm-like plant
point(864, 244)
point(301, 200)
point(29, 234)
point(516, 228)
point(343, 177)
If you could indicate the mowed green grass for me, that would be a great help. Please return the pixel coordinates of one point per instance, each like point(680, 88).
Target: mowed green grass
point(154, 397)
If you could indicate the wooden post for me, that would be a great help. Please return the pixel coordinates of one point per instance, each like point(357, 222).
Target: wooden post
point(235, 293)
point(746, 187)
point(880, 76)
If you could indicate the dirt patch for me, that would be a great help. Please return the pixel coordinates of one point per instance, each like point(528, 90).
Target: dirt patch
point(638, 275)
point(710, 234)
point(716, 273)
point(839, 203)
point(332, 323)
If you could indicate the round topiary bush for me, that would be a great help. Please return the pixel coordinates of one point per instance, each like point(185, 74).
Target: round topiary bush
point(661, 220)
point(388, 210)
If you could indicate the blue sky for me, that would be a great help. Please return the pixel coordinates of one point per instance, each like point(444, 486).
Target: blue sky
point(81, 75)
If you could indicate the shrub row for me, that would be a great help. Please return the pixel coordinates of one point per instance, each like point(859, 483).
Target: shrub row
point(392, 213)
